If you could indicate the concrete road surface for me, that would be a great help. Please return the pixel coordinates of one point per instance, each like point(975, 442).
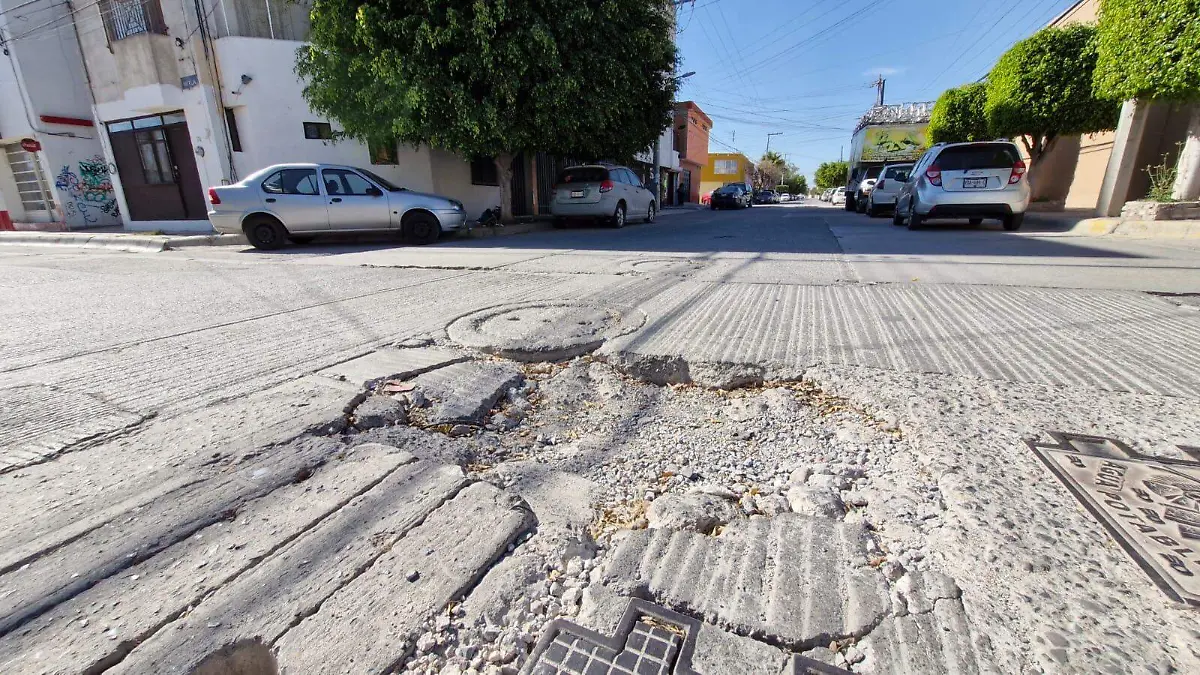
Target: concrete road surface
point(955, 417)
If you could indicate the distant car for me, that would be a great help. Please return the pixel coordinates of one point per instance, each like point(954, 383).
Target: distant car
point(785, 197)
point(293, 202)
point(766, 197)
point(827, 195)
point(611, 194)
point(864, 193)
point(734, 196)
point(966, 180)
point(883, 195)
point(861, 182)
point(839, 196)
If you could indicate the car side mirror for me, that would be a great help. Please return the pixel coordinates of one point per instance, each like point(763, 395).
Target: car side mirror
point(374, 192)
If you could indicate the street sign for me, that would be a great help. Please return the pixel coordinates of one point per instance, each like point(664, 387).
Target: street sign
point(30, 145)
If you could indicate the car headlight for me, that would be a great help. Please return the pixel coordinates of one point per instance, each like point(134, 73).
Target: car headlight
point(456, 205)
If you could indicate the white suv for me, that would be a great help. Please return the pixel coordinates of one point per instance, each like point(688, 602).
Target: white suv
point(966, 180)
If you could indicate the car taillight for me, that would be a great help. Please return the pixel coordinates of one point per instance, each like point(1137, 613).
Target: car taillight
point(1018, 170)
point(934, 174)
point(606, 185)
point(879, 185)
point(213, 198)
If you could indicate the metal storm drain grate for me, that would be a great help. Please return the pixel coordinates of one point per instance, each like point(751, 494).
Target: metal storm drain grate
point(1150, 505)
point(650, 640)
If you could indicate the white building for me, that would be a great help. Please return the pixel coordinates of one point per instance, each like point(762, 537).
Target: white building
point(185, 100)
point(53, 173)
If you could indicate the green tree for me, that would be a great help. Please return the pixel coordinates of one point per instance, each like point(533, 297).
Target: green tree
point(1041, 89)
point(1150, 49)
point(771, 169)
point(493, 79)
point(831, 175)
point(958, 116)
point(797, 183)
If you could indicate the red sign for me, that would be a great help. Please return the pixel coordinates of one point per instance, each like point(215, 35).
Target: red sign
point(30, 145)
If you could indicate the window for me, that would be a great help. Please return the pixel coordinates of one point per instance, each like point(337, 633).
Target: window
point(967, 157)
point(724, 167)
point(235, 139)
point(318, 131)
point(292, 182)
point(584, 174)
point(31, 186)
point(345, 182)
point(383, 153)
point(483, 171)
point(126, 18)
point(899, 173)
point(155, 158)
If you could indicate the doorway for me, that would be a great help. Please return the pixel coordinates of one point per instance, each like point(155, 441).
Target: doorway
point(157, 166)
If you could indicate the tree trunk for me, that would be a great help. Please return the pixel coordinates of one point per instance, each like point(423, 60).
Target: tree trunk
point(1187, 180)
point(1037, 147)
point(504, 174)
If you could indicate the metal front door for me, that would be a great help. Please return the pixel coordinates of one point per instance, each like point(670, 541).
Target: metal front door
point(183, 158)
point(351, 205)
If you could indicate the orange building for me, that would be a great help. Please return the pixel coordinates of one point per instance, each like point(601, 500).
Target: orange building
point(692, 127)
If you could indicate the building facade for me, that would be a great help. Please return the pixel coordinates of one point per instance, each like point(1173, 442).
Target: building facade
point(692, 128)
point(723, 168)
point(53, 171)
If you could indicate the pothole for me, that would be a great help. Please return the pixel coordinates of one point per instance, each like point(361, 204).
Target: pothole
point(544, 331)
point(248, 657)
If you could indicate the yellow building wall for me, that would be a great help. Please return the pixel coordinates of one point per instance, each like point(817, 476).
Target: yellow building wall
point(711, 180)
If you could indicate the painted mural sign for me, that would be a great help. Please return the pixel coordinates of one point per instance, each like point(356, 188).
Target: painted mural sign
point(1150, 505)
point(88, 193)
point(894, 143)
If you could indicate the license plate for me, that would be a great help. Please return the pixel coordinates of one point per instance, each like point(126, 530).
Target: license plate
point(974, 182)
point(575, 194)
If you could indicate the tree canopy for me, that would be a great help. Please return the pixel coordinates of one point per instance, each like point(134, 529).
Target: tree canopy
point(771, 169)
point(831, 174)
point(492, 79)
point(1148, 49)
point(958, 116)
point(1042, 88)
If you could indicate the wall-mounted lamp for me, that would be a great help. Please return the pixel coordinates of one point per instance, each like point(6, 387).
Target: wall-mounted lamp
point(246, 79)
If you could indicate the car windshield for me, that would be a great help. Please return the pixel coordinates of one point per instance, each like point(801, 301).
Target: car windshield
point(583, 174)
point(729, 190)
point(384, 183)
point(873, 172)
point(897, 173)
point(968, 157)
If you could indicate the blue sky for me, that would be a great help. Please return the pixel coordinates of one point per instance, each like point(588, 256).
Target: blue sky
point(806, 67)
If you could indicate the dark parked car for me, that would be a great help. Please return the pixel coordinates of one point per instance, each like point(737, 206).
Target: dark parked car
point(766, 197)
point(733, 196)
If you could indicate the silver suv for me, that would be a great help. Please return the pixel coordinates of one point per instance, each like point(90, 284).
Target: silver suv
point(966, 180)
point(883, 193)
point(609, 193)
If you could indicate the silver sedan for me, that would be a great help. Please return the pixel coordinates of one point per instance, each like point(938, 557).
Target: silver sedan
point(296, 201)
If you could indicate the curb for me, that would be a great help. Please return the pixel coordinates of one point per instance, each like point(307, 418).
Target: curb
point(207, 240)
point(114, 242)
point(1145, 229)
point(517, 228)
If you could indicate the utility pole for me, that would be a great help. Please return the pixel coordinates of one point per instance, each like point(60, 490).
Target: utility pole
point(879, 85)
point(840, 149)
point(775, 133)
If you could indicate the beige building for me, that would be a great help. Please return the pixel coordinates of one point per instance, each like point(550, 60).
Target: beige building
point(1102, 171)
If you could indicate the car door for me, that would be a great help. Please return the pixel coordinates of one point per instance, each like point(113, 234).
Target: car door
point(905, 194)
point(640, 193)
point(294, 196)
point(355, 203)
point(625, 184)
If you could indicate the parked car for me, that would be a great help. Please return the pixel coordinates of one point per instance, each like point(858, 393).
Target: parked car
point(733, 196)
point(785, 197)
point(839, 196)
point(966, 180)
point(864, 193)
point(766, 197)
point(296, 201)
point(603, 193)
point(883, 195)
point(706, 199)
point(861, 182)
point(827, 195)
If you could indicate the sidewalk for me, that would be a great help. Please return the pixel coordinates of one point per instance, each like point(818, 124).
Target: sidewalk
point(1083, 223)
point(119, 241)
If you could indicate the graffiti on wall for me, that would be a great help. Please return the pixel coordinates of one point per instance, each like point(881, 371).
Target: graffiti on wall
point(89, 193)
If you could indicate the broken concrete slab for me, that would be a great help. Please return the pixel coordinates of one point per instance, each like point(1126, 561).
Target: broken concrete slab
point(392, 364)
point(379, 411)
point(694, 511)
point(103, 623)
point(791, 580)
point(269, 599)
point(371, 624)
point(71, 569)
point(464, 392)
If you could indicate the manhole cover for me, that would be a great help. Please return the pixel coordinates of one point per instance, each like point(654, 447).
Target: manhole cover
point(1150, 505)
point(650, 640)
point(543, 331)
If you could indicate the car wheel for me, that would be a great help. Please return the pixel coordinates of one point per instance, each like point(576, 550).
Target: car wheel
point(914, 219)
point(897, 219)
point(975, 221)
point(265, 233)
point(872, 210)
point(712, 207)
point(651, 213)
point(1013, 222)
point(300, 241)
point(618, 216)
point(849, 204)
point(420, 229)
